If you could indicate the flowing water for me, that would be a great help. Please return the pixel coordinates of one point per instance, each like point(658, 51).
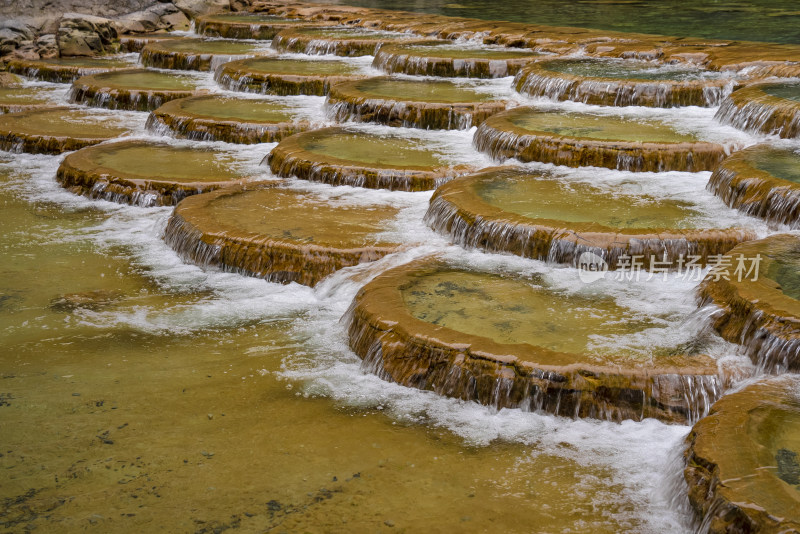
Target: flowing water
point(139, 392)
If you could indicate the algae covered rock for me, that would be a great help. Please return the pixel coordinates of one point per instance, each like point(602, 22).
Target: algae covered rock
point(56, 130)
point(415, 103)
point(512, 342)
point(146, 174)
point(339, 156)
point(769, 108)
point(756, 288)
point(135, 89)
point(277, 234)
point(743, 460)
point(283, 76)
point(232, 120)
point(538, 215)
point(623, 83)
point(588, 139)
point(445, 58)
point(763, 181)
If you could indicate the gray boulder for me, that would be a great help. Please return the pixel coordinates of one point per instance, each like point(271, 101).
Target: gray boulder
point(85, 35)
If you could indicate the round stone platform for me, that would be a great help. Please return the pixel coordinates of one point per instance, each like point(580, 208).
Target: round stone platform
point(757, 290)
point(137, 90)
point(197, 54)
point(539, 216)
point(743, 460)
point(56, 130)
point(614, 82)
point(413, 103)
point(247, 25)
point(762, 181)
point(448, 59)
point(512, 342)
point(336, 40)
point(281, 76)
point(144, 173)
point(768, 108)
point(68, 69)
point(277, 234)
point(587, 139)
point(339, 156)
point(228, 119)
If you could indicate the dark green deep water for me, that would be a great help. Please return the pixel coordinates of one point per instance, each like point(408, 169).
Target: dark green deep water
point(776, 21)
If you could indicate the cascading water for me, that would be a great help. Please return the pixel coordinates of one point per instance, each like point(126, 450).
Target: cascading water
point(186, 334)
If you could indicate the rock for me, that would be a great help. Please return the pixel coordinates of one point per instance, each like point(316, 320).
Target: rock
point(9, 80)
point(162, 16)
point(14, 34)
point(85, 35)
point(193, 8)
point(47, 46)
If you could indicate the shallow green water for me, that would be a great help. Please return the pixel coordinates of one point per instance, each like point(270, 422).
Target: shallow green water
point(371, 149)
point(626, 70)
point(785, 269)
point(598, 127)
point(60, 122)
point(783, 164)
point(420, 91)
point(244, 109)
point(789, 91)
point(146, 81)
point(754, 20)
point(252, 18)
point(87, 62)
point(299, 218)
point(581, 203)
point(447, 50)
point(301, 67)
point(199, 46)
point(144, 161)
point(337, 33)
point(509, 310)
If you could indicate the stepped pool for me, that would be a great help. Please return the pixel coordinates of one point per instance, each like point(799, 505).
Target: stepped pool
point(154, 362)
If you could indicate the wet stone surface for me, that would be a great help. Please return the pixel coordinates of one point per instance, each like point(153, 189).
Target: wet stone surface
point(587, 139)
point(145, 173)
point(277, 234)
point(340, 156)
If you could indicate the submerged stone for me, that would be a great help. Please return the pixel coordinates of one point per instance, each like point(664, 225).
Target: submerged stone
point(757, 290)
point(281, 76)
point(17, 98)
point(768, 108)
point(56, 130)
point(66, 69)
point(336, 40)
point(511, 342)
point(587, 139)
point(539, 216)
point(277, 234)
point(445, 58)
point(247, 25)
point(137, 41)
point(608, 82)
point(762, 181)
point(414, 103)
point(339, 156)
point(228, 119)
point(743, 460)
point(197, 54)
point(138, 90)
point(144, 173)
